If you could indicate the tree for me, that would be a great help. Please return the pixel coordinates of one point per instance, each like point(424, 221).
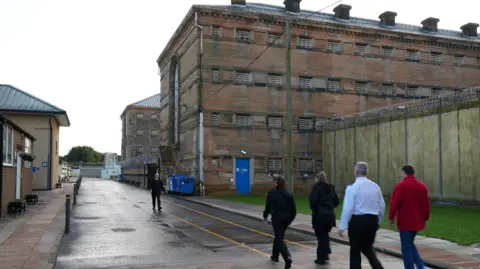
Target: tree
point(84, 154)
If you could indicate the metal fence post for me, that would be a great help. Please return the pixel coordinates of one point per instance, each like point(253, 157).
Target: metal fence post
point(378, 153)
point(335, 155)
point(355, 141)
point(67, 213)
point(406, 135)
point(440, 157)
point(75, 193)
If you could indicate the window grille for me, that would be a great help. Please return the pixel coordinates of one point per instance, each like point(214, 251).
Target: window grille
point(318, 165)
point(361, 49)
point(242, 120)
point(477, 61)
point(274, 164)
point(153, 132)
point(274, 122)
point(153, 149)
point(274, 79)
point(139, 116)
point(243, 35)
point(387, 51)
point(215, 162)
point(139, 132)
point(215, 32)
point(333, 85)
point(305, 124)
point(333, 46)
point(361, 87)
point(215, 75)
point(274, 39)
point(305, 165)
point(387, 89)
point(304, 43)
point(243, 77)
point(458, 59)
point(436, 57)
point(304, 82)
point(412, 55)
point(215, 118)
point(411, 91)
point(436, 91)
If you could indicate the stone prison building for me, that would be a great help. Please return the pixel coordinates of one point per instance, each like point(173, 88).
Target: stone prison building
point(223, 108)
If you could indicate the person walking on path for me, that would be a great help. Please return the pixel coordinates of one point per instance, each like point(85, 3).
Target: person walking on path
point(323, 201)
point(362, 214)
point(281, 205)
point(411, 205)
point(156, 187)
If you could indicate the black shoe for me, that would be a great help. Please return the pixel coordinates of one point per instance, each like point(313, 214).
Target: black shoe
point(153, 208)
point(288, 264)
point(160, 209)
point(273, 259)
point(321, 262)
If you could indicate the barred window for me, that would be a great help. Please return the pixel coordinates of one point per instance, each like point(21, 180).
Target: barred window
point(304, 43)
point(242, 120)
point(436, 91)
point(215, 75)
point(215, 32)
point(436, 57)
point(333, 46)
point(318, 165)
point(154, 132)
point(305, 82)
point(387, 89)
point(412, 55)
point(274, 164)
point(305, 123)
point(458, 59)
point(361, 86)
point(243, 77)
point(215, 118)
point(275, 39)
point(305, 165)
point(387, 51)
point(139, 132)
point(154, 116)
point(274, 122)
point(216, 162)
point(139, 115)
point(243, 35)
point(153, 149)
point(411, 91)
point(477, 61)
point(333, 85)
point(274, 79)
point(139, 151)
point(362, 49)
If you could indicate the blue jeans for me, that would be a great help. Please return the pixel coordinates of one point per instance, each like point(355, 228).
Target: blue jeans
point(409, 251)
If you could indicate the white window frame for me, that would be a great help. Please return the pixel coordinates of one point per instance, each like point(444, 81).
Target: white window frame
point(275, 122)
point(361, 86)
point(304, 43)
point(28, 149)
point(436, 57)
point(215, 32)
point(388, 89)
point(215, 75)
point(305, 124)
point(436, 91)
point(333, 46)
point(154, 116)
point(216, 162)
point(139, 132)
point(274, 79)
point(412, 55)
point(139, 115)
point(387, 51)
point(275, 39)
point(243, 35)
point(411, 91)
point(333, 85)
point(243, 77)
point(362, 49)
point(305, 83)
point(153, 149)
point(153, 132)
point(274, 164)
point(215, 119)
point(7, 149)
point(243, 120)
point(458, 59)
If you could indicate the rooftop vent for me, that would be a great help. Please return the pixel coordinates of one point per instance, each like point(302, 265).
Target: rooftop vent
point(342, 12)
point(239, 2)
point(292, 5)
point(430, 24)
point(388, 18)
point(470, 29)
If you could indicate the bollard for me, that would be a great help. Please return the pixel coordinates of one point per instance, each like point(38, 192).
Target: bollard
point(67, 214)
point(75, 193)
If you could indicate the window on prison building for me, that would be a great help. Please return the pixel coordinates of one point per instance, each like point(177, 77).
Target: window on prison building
point(305, 165)
point(215, 75)
point(153, 150)
point(274, 79)
point(274, 164)
point(412, 55)
point(153, 116)
point(139, 132)
point(387, 51)
point(243, 120)
point(304, 43)
point(318, 165)
point(139, 115)
point(243, 77)
point(275, 122)
point(139, 151)
point(362, 49)
point(153, 132)
point(215, 32)
point(477, 61)
point(215, 162)
point(333, 85)
point(458, 59)
point(411, 91)
point(387, 89)
point(436, 57)
point(215, 120)
point(304, 82)
point(334, 46)
point(362, 87)
point(305, 124)
point(436, 91)
point(275, 39)
point(243, 35)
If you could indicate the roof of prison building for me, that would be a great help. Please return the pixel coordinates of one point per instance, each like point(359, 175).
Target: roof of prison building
point(149, 102)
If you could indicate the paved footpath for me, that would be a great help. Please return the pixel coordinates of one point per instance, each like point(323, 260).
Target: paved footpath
point(436, 253)
point(31, 241)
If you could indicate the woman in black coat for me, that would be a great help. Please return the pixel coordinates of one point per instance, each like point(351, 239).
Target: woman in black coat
point(323, 201)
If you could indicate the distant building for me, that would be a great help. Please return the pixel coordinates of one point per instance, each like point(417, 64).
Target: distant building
point(112, 168)
point(43, 120)
point(141, 128)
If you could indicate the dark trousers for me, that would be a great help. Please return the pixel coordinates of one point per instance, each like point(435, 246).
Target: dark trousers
point(362, 230)
point(279, 246)
point(410, 254)
point(156, 196)
point(322, 225)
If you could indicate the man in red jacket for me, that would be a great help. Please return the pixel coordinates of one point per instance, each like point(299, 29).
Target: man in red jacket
point(411, 205)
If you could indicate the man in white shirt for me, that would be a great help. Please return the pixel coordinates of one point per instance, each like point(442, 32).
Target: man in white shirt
point(362, 214)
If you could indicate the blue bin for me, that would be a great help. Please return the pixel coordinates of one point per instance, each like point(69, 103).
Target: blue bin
point(181, 184)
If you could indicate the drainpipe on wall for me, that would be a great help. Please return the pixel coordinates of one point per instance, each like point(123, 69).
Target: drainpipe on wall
point(50, 155)
point(200, 110)
point(1, 166)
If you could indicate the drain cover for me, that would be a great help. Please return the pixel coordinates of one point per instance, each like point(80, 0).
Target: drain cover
point(142, 202)
point(89, 203)
point(87, 218)
point(123, 230)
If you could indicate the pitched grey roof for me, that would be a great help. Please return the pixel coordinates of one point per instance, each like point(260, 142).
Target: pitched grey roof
point(152, 101)
point(330, 18)
point(14, 99)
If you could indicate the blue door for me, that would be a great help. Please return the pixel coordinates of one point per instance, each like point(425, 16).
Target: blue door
point(242, 176)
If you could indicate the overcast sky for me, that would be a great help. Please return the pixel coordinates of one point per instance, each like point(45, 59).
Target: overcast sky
point(94, 57)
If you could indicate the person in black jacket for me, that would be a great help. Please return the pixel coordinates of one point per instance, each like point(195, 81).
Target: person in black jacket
point(281, 205)
point(156, 187)
point(323, 201)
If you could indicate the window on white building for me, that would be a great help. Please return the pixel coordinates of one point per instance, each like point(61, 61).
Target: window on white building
point(28, 149)
point(7, 145)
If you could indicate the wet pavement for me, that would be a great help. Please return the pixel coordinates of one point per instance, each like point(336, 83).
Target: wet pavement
point(113, 226)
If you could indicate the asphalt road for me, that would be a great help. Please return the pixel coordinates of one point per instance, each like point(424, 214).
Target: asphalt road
point(113, 226)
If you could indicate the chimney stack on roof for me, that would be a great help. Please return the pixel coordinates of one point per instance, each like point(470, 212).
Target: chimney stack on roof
point(430, 24)
point(292, 5)
point(239, 2)
point(388, 18)
point(342, 12)
point(470, 29)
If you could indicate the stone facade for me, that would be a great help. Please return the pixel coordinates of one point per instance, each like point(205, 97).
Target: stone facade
point(336, 70)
